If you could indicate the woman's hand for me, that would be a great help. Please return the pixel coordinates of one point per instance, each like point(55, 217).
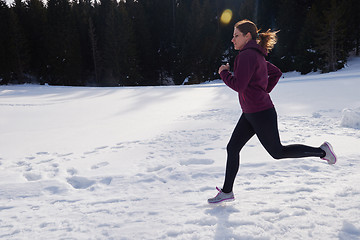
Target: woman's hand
point(224, 67)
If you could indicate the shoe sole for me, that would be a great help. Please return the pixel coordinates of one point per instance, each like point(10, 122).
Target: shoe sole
point(332, 152)
point(224, 200)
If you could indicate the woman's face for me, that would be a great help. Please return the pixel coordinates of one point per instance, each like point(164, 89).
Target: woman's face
point(239, 39)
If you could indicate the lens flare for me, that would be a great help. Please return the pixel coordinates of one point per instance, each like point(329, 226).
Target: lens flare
point(226, 16)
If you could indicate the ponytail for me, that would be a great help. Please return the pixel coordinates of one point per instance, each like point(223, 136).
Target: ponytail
point(267, 40)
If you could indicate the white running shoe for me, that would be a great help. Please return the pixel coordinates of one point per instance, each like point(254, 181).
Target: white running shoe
point(222, 197)
point(330, 156)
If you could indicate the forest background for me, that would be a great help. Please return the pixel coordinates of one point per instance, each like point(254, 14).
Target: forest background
point(162, 42)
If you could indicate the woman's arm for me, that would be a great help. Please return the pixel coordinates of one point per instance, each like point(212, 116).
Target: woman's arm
point(242, 73)
point(274, 76)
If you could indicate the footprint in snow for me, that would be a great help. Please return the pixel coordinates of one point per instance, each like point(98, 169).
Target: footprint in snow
point(54, 189)
point(80, 182)
point(42, 153)
point(99, 165)
point(90, 152)
point(96, 150)
point(32, 177)
point(106, 180)
point(196, 161)
point(197, 152)
point(72, 171)
point(117, 147)
point(64, 154)
point(156, 168)
point(102, 147)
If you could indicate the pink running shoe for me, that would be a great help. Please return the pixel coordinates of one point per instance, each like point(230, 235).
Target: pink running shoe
point(222, 197)
point(330, 156)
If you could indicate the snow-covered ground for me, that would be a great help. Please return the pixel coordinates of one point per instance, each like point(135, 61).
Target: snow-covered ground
point(140, 163)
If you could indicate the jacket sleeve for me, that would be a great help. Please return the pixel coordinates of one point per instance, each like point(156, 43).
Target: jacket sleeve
point(244, 69)
point(274, 74)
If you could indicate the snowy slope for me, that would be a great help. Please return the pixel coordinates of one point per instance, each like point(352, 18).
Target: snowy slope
point(140, 163)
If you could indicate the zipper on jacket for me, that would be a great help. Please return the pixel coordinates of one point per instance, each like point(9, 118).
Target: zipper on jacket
point(243, 97)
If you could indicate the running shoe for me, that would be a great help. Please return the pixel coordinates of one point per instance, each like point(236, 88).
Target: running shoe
point(330, 156)
point(222, 197)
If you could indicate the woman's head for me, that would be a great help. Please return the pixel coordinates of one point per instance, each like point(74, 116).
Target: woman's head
point(249, 31)
point(245, 26)
point(240, 39)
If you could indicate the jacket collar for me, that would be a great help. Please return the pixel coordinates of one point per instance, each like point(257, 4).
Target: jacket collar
point(252, 44)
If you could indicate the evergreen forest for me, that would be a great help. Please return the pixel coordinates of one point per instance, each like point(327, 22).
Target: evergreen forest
point(161, 42)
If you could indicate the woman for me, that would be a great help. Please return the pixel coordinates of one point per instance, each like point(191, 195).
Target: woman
point(253, 79)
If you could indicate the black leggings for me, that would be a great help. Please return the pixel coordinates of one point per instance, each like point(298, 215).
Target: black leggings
point(264, 125)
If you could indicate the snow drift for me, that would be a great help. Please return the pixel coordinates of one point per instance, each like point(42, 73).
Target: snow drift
point(140, 163)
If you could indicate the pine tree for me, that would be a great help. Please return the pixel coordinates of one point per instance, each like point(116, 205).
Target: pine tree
point(83, 13)
point(353, 26)
point(63, 45)
point(180, 69)
point(128, 60)
point(330, 40)
point(94, 50)
point(163, 25)
point(35, 30)
point(211, 48)
point(19, 43)
point(308, 58)
point(146, 64)
point(116, 44)
point(5, 36)
point(198, 41)
point(247, 10)
point(356, 25)
point(290, 20)
point(108, 43)
point(189, 43)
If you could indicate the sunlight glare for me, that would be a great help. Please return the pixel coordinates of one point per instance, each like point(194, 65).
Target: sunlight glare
point(226, 16)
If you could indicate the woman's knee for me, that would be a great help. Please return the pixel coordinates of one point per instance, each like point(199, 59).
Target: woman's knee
point(276, 153)
point(277, 156)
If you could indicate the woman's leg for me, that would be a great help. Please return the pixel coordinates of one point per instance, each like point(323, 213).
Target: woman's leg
point(266, 128)
point(241, 135)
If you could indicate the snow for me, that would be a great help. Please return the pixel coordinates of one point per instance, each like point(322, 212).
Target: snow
point(140, 163)
point(351, 118)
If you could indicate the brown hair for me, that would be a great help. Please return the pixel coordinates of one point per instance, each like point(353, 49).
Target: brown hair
point(267, 40)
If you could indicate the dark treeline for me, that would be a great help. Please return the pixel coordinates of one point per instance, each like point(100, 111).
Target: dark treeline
point(157, 42)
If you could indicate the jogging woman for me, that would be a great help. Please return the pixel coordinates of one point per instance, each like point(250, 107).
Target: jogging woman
point(253, 79)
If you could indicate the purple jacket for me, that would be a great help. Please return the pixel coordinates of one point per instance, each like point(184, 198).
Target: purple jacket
point(253, 78)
